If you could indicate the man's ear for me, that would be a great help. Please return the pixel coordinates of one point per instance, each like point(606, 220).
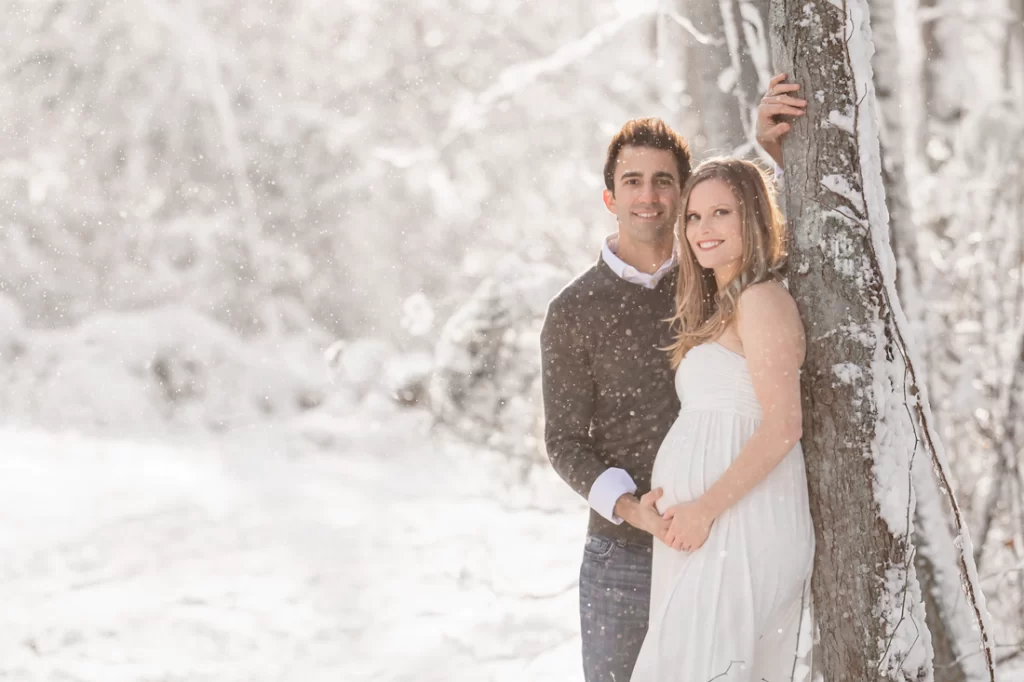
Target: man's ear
point(609, 200)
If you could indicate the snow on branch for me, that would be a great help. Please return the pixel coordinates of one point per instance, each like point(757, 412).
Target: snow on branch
point(687, 25)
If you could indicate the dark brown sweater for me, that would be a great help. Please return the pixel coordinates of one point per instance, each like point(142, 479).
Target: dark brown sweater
point(609, 397)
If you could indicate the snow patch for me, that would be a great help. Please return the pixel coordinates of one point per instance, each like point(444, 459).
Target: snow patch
point(166, 368)
point(902, 610)
point(842, 121)
point(727, 79)
point(837, 184)
point(847, 372)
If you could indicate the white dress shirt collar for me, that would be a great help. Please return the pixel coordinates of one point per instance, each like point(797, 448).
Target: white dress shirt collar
point(628, 272)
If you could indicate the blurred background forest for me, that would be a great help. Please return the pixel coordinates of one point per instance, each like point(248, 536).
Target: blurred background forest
point(223, 212)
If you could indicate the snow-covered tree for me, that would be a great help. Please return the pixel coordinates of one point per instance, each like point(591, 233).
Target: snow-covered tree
point(486, 378)
point(867, 422)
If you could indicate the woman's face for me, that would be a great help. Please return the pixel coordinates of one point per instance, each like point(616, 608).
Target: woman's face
point(713, 227)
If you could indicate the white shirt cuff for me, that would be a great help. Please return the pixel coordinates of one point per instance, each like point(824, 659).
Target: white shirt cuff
point(606, 491)
point(779, 172)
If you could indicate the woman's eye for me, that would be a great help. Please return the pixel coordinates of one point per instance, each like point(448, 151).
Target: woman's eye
point(693, 217)
point(722, 211)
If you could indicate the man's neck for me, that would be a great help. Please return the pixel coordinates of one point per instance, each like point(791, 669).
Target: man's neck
point(645, 257)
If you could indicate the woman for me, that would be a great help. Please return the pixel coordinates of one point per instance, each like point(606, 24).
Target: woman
point(729, 581)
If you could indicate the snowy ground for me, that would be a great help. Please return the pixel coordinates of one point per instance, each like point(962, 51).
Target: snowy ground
point(347, 549)
point(377, 555)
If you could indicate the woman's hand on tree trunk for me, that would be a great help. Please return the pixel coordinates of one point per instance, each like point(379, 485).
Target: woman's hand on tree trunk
point(776, 104)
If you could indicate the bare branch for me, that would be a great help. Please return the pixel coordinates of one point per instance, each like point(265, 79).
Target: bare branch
point(688, 26)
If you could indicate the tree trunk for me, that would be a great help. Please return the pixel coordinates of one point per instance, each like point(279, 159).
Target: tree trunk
point(1010, 456)
point(956, 642)
point(745, 23)
point(888, 73)
point(1015, 54)
point(948, 617)
point(710, 79)
point(724, 79)
point(754, 15)
point(866, 420)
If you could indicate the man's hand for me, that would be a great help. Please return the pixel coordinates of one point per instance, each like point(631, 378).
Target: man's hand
point(642, 513)
point(777, 102)
point(690, 526)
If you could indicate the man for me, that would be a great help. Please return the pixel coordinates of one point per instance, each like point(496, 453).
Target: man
point(609, 397)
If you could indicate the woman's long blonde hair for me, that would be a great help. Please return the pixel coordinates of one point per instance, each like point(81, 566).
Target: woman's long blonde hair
point(702, 310)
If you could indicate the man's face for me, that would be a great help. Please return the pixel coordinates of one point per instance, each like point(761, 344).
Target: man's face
point(647, 193)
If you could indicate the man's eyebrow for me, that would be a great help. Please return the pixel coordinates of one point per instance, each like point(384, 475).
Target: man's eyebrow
point(640, 174)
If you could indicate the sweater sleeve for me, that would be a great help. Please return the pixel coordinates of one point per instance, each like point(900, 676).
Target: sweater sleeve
point(568, 388)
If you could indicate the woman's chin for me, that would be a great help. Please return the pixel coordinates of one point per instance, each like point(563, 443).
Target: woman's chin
point(709, 263)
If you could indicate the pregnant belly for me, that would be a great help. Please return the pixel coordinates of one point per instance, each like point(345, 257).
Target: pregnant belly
point(696, 451)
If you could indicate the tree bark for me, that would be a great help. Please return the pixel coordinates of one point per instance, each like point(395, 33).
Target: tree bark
point(865, 418)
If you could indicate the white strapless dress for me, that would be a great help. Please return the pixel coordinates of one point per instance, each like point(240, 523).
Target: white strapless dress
point(730, 611)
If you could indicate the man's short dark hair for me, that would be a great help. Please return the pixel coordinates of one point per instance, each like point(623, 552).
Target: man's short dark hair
point(647, 132)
